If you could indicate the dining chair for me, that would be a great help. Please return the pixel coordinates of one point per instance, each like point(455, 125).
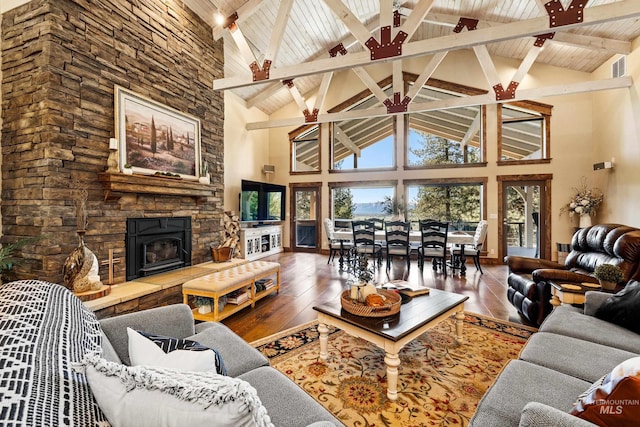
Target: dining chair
point(472, 251)
point(364, 239)
point(433, 244)
point(378, 224)
point(335, 245)
point(397, 241)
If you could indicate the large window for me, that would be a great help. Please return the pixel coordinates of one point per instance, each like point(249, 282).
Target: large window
point(524, 132)
point(354, 201)
point(459, 203)
point(305, 149)
point(446, 136)
point(360, 144)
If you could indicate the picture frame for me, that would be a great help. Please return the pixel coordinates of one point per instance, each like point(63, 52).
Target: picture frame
point(155, 139)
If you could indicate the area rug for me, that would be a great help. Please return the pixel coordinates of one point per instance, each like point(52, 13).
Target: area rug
point(439, 384)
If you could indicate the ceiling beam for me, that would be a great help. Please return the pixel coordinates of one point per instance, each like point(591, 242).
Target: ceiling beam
point(485, 99)
point(278, 30)
point(353, 24)
point(576, 40)
point(593, 15)
point(244, 12)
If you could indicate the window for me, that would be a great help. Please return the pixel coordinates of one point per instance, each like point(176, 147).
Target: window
point(352, 201)
point(524, 132)
point(459, 203)
point(305, 149)
point(364, 143)
point(444, 137)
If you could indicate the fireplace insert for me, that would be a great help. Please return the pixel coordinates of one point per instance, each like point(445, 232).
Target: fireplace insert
point(156, 245)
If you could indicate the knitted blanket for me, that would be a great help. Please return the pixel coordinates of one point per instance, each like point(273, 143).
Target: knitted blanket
point(44, 331)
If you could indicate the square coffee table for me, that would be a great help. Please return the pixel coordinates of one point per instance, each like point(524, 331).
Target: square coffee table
point(395, 331)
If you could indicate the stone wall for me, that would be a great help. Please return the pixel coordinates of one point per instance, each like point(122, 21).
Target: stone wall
point(60, 62)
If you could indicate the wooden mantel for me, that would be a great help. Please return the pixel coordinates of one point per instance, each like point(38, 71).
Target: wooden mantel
point(150, 184)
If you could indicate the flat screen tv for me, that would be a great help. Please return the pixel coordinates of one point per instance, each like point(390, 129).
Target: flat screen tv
point(262, 201)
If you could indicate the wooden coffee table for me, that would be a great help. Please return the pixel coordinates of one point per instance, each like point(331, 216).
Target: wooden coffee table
point(393, 332)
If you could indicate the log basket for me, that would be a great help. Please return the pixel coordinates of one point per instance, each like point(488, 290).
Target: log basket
point(222, 254)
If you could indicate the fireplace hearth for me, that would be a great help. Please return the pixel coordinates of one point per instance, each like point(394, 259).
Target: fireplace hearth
point(157, 245)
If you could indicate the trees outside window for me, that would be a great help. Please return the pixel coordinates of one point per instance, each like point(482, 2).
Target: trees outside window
point(460, 204)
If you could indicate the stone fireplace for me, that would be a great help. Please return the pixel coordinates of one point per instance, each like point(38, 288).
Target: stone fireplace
point(156, 245)
point(61, 60)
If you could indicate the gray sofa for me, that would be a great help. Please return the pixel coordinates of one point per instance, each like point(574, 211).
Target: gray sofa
point(571, 350)
point(286, 403)
point(46, 332)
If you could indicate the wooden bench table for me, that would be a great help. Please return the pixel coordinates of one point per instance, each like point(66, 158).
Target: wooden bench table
point(218, 284)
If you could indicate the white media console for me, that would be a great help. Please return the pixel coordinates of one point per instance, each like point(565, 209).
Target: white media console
point(260, 242)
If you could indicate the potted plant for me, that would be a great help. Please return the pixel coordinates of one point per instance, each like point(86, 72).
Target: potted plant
point(203, 304)
point(362, 275)
point(8, 258)
point(608, 275)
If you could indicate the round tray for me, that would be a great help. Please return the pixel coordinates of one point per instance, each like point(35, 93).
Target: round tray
point(392, 305)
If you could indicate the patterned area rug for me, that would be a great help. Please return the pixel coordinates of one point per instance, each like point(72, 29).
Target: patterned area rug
point(440, 382)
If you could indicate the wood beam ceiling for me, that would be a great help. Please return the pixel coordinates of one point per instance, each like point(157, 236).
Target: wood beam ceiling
point(594, 15)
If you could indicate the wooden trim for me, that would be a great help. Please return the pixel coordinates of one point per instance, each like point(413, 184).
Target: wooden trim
point(363, 184)
point(292, 135)
point(448, 166)
point(311, 186)
point(117, 183)
point(545, 208)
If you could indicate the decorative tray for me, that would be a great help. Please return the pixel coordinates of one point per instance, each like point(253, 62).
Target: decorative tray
point(392, 305)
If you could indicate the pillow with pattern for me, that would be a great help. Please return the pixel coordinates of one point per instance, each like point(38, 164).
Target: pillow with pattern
point(173, 353)
point(613, 400)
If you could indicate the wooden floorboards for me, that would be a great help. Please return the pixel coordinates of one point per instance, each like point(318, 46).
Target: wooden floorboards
point(307, 280)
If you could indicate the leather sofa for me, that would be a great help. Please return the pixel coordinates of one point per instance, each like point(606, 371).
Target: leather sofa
point(528, 282)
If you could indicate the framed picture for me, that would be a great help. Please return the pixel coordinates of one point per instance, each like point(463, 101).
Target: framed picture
point(154, 138)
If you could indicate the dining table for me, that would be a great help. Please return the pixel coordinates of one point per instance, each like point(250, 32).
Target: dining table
point(459, 238)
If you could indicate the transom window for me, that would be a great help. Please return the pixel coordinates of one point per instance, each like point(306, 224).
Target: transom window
point(524, 132)
point(445, 136)
point(305, 149)
point(364, 143)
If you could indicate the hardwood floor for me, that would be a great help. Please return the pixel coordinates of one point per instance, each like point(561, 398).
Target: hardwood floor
point(307, 280)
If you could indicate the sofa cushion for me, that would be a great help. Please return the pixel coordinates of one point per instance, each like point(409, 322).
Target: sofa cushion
point(623, 308)
point(522, 382)
point(175, 320)
point(570, 321)
point(167, 352)
point(239, 357)
point(146, 396)
point(288, 405)
point(613, 399)
point(585, 360)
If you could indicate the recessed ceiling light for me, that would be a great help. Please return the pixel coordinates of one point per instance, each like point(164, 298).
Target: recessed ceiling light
point(218, 18)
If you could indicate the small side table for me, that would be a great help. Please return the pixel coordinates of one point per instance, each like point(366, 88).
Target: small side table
point(571, 293)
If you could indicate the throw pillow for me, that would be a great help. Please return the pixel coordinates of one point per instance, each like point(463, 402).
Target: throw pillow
point(140, 396)
point(166, 352)
point(623, 308)
point(613, 400)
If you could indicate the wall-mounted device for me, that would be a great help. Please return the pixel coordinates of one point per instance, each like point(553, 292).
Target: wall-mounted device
point(268, 169)
point(602, 165)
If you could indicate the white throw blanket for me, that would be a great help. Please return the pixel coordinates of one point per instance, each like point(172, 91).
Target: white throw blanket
point(44, 331)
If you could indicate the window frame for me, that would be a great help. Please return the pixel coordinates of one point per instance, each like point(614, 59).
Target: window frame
point(459, 89)
point(482, 181)
point(292, 136)
point(545, 111)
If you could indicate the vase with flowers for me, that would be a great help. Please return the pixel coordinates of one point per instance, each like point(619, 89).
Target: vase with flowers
point(584, 203)
point(361, 277)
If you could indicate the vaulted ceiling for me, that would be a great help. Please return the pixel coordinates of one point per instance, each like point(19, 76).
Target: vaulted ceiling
point(297, 35)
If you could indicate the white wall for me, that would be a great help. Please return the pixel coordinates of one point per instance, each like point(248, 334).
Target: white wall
point(616, 130)
point(244, 152)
